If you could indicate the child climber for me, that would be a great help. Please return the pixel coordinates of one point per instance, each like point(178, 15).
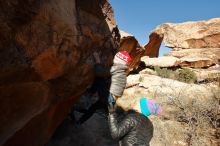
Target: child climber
point(134, 129)
point(101, 86)
point(117, 74)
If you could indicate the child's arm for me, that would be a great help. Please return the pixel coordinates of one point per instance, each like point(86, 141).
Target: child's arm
point(118, 79)
point(118, 130)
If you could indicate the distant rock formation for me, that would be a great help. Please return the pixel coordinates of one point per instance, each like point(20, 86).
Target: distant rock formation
point(196, 44)
point(194, 58)
point(197, 58)
point(153, 46)
point(188, 35)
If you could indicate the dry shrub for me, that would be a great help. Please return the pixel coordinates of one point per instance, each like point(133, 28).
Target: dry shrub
point(202, 119)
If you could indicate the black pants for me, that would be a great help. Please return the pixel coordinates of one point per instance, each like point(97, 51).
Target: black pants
point(101, 86)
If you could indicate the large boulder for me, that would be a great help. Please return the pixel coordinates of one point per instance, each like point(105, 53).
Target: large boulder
point(195, 44)
point(194, 58)
point(197, 58)
point(153, 46)
point(198, 34)
point(164, 61)
point(196, 62)
point(207, 75)
point(46, 63)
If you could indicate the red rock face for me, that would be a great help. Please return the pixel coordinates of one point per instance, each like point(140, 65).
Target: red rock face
point(46, 63)
point(152, 48)
point(130, 44)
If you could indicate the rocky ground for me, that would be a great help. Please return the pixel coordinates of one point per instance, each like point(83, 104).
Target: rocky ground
point(190, 111)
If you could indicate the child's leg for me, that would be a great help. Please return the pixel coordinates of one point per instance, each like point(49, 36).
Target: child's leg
point(93, 88)
point(103, 92)
point(97, 105)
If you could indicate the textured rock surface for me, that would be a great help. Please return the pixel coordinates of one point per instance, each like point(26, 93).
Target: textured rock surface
point(197, 58)
point(46, 62)
point(192, 60)
point(133, 80)
point(204, 75)
point(153, 47)
point(165, 61)
point(196, 62)
point(148, 71)
point(199, 34)
point(212, 53)
point(196, 44)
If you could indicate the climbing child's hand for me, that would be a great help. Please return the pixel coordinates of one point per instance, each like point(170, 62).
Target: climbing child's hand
point(111, 107)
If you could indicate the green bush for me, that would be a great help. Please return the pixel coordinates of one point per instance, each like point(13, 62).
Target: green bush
point(165, 73)
point(183, 75)
point(186, 75)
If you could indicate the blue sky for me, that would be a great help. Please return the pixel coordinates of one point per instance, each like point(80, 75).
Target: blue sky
point(140, 17)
